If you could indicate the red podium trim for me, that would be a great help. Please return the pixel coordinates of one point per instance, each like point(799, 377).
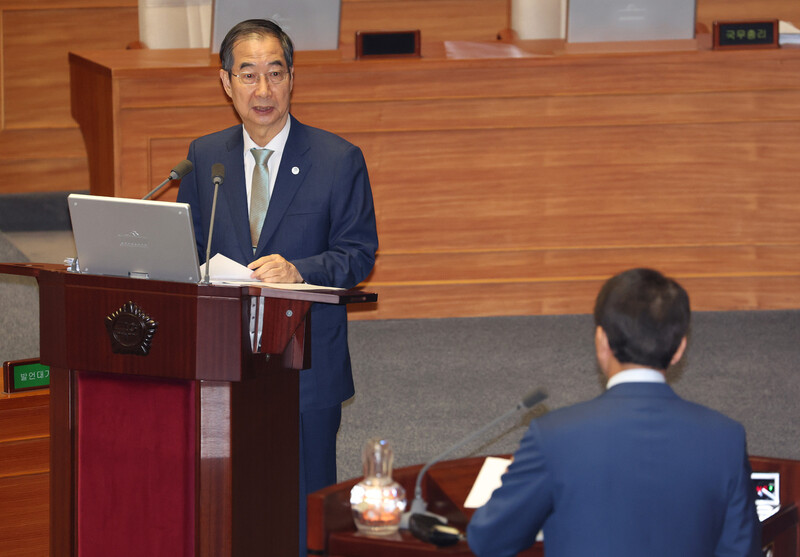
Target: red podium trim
point(135, 466)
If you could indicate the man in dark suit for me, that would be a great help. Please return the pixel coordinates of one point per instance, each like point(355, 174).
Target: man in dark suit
point(296, 206)
point(637, 471)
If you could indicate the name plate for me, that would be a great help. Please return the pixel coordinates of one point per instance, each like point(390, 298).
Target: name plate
point(387, 44)
point(736, 35)
point(25, 375)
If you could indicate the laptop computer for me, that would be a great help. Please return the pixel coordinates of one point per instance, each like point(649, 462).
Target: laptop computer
point(629, 20)
point(134, 238)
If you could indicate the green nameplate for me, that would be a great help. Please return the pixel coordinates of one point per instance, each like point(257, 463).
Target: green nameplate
point(24, 375)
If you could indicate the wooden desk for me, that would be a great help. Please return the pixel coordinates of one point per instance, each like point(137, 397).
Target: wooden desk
point(533, 178)
point(24, 472)
point(331, 530)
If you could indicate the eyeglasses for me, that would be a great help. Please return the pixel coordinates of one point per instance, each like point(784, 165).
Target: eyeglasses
point(251, 78)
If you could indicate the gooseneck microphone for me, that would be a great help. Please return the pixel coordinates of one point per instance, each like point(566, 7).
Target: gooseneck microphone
point(181, 169)
point(418, 505)
point(217, 174)
point(217, 177)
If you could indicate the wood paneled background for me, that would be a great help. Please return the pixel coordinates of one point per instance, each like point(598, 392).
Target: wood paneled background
point(443, 253)
point(700, 184)
point(40, 146)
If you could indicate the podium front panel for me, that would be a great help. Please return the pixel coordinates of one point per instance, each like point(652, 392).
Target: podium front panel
point(135, 466)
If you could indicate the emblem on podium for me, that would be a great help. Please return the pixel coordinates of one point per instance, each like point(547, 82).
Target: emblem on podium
point(131, 330)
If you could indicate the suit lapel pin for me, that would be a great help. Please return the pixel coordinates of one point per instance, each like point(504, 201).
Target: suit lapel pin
point(295, 170)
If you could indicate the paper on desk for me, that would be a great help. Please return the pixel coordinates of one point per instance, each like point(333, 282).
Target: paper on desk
point(788, 33)
point(463, 50)
point(227, 271)
point(487, 481)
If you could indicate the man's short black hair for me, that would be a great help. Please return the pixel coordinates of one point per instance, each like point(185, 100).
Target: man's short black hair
point(645, 315)
point(258, 28)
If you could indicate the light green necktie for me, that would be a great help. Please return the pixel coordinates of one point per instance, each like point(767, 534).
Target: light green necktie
point(259, 194)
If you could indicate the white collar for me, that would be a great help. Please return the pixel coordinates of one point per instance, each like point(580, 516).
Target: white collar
point(636, 375)
point(276, 144)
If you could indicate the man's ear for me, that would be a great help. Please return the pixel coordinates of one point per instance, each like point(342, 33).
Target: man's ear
point(225, 77)
point(679, 352)
point(602, 349)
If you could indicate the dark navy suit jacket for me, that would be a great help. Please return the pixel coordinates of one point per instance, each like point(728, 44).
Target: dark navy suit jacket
point(636, 472)
point(320, 218)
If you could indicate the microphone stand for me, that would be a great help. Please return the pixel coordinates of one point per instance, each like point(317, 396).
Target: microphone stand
point(160, 186)
point(181, 169)
point(207, 279)
point(218, 172)
point(418, 505)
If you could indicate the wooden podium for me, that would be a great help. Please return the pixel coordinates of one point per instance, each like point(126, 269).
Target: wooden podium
point(173, 413)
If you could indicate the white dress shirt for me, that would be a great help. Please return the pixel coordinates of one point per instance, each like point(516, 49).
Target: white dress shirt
point(636, 375)
point(276, 145)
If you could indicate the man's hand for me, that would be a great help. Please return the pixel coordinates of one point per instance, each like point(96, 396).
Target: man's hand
point(274, 268)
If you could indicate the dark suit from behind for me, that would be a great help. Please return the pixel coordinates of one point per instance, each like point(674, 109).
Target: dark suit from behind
point(636, 472)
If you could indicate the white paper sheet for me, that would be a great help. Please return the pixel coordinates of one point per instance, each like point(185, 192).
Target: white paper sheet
point(227, 271)
point(487, 481)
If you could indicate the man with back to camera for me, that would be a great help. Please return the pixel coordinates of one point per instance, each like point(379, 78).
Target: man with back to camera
point(296, 206)
point(637, 471)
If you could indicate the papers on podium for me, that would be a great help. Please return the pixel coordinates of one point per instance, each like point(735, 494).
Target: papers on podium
point(226, 271)
point(487, 481)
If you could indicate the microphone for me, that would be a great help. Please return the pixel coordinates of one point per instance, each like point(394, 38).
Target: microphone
point(217, 174)
point(179, 171)
point(418, 505)
point(217, 177)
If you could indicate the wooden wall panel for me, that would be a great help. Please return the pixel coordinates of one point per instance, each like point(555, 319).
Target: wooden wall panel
point(710, 10)
point(35, 46)
point(24, 473)
point(565, 111)
point(37, 35)
point(573, 169)
point(24, 526)
point(531, 265)
point(590, 161)
point(440, 20)
point(573, 294)
point(43, 148)
point(621, 187)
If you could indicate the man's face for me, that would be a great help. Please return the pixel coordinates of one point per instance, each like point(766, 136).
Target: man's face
point(263, 106)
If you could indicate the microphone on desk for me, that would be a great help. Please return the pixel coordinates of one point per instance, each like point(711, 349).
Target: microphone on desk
point(420, 508)
point(217, 177)
point(179, 171)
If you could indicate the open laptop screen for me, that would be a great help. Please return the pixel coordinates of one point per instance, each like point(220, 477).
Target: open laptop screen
point(134, 238)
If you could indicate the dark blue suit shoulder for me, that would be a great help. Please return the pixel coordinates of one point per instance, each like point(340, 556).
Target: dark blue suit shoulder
point(212, 140)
